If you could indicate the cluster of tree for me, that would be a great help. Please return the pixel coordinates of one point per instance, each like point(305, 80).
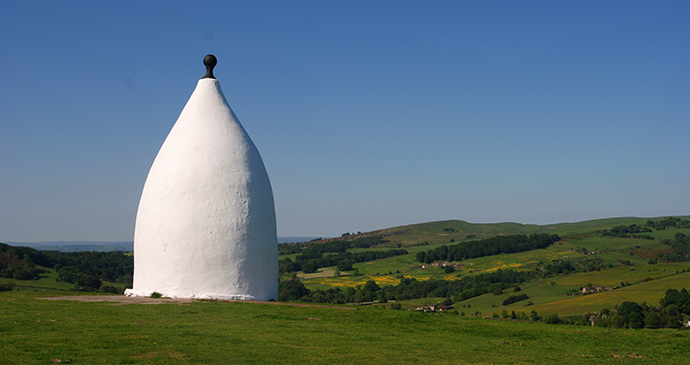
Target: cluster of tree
point(515, 298)
point(533, 316)
point(20, 262)
point(630, 231)
point(487, 247)
point(556, 267)
point(670, 222)
point(26, 254)
point(634, 315)
point(680, 248)
point(21, 271)
point(593, 264)
point(83, 281)
point(112, 266)
point(679, 298)
point(292, 290)
point(327, 247)
point(85, 269)
point(311, 262)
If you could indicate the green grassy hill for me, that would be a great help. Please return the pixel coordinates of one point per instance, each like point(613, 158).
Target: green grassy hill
point(601, 260)
point(37, 331)
point(443, 231)
point(616, 261)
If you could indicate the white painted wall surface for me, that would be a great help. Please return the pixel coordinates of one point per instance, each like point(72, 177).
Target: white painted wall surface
point(206, 225)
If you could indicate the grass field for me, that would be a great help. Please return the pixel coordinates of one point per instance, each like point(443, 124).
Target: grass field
point(551, 298)
point(649, 292)
point(37, 331)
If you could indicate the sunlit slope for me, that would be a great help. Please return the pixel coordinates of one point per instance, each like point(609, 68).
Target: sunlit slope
point(628, 264)
point(458, 230)
point(649, 292)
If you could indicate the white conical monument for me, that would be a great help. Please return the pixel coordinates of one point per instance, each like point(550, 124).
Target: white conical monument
point(206, 225)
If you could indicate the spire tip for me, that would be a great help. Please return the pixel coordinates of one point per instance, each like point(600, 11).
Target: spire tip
point(210, 62)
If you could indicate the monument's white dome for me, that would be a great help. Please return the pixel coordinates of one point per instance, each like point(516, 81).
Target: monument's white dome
point(206, 226)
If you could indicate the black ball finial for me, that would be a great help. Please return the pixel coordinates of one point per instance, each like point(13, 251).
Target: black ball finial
point(210, 62)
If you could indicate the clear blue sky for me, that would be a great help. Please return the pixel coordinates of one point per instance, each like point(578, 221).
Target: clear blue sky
point(368, 114)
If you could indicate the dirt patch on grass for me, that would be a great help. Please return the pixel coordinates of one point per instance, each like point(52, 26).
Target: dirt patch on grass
point(121, 300)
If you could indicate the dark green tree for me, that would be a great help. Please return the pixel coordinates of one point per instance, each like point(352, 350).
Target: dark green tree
point(534, 316)
point(291, 290)
point(636, 320)
point(344, 265)
point(310, 267)
point(651, 320)
point(553, 319)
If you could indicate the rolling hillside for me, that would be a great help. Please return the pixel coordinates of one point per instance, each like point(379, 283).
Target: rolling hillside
point(597, 258)
point(626, 265)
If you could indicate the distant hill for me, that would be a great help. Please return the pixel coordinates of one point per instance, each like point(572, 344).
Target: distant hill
point(107, 246)
point(410, 235)
point(458, 230)
point(295, 239)
point(76, 246)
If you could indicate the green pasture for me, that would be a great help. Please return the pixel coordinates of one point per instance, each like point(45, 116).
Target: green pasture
point(595, 242)
point(538, 292)
point(649, 292)
point(36, 331)
point(629, 274)
point(668, 233)
point(543, 292)
point(577, 228)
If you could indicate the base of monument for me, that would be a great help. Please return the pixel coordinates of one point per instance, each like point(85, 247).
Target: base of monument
point(164, 294)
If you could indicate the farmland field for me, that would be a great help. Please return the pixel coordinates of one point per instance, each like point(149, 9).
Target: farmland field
point(613, 262)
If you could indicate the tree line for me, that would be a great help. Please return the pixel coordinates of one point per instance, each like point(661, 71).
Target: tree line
point(487, 247)
point(310, 262)
point(332, 246)
point(632, 230)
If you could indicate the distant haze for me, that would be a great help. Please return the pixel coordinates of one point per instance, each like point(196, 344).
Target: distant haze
point(295, 239)
point(73, 246)
point(105, 246)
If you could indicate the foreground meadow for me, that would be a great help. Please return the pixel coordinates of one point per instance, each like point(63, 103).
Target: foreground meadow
point(37, 331)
